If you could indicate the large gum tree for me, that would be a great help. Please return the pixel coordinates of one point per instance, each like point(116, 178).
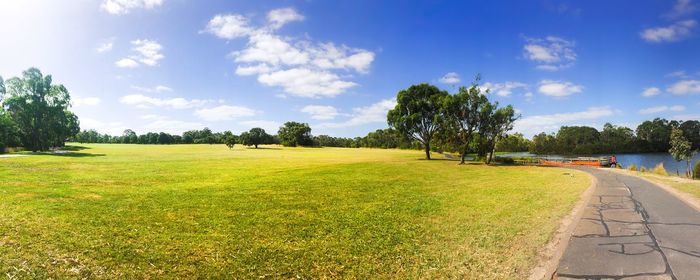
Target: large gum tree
point(418, 113)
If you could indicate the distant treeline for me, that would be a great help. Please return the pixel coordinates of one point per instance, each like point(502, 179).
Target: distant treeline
point(650, 136)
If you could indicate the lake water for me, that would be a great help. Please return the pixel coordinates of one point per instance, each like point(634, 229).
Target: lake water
point(648, 160)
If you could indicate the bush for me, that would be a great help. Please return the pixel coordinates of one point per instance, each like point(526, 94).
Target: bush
point(696, 171)
point(632, 167)
point(643, 169)
point(505, 160)
point(659, 169)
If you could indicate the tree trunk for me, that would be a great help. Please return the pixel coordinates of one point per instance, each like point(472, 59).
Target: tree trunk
point(256, 146)
point(462, 156)
point(427, 151)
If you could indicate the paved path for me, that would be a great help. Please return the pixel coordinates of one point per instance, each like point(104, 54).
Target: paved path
point(12, 155)
point(632, 229)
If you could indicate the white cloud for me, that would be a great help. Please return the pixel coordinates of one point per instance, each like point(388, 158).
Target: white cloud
point(270, 127)
point(229, 26)
point(300, 67)
point(661, 109)
point(155, 89)
point(105, 47)
point(319, 112)
point(674, 32)
point(307, 83)
point(677, 74)
point(551, 53)
point(120, 7)
point(687, 117)
point(159, 123)
point(548, 123)
point(85, 101)
point(503, 89)
point(375, 113)
point(224, 113)
point(279, 17)
point(682, 8)
point(147, 52)
point(651, 91)
point(111, 128)
point(685, 87)
point(450, 78)
point(559, 88)
point(126, 63)
point(142, 101)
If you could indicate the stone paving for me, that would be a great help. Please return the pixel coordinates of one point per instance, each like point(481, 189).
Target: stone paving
point(632, 229)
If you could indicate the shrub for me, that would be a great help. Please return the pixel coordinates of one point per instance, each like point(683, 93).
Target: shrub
point(659, 169)
point(696, 171)
point(632, 167)
point(643, 169)
point(505, 160)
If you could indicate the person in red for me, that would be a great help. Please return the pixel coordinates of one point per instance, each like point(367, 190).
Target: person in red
point(613, 161)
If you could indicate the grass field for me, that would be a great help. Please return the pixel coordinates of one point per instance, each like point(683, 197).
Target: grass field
point(186, 211)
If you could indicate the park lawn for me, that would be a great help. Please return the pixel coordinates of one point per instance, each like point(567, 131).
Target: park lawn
point(204, 211)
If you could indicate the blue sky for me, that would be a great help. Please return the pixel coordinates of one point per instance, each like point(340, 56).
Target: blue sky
point(175, 65)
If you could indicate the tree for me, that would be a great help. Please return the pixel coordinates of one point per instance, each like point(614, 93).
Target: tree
point(577, 140)
point(513, 143)
point(681, 149)
point(691, 131)
point(418, 113)
point(543, 144)
point(495, 124)
point(462, 117)
point(40, 110)
point(129, 137)
point(294, 134)
point(654, 135)
point(616, 139)
point(229, 139)
point(255, 136)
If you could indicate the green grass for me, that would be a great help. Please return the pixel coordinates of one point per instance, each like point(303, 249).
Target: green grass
point(204, 211)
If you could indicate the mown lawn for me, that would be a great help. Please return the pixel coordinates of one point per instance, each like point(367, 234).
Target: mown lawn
point(204, 211)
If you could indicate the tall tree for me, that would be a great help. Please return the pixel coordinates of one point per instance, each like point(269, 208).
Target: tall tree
point(654, 135)
point(497, 122)
point(255, 136)
point(294, 134)
point(681, 149)
point(40, 110)
point(462, 117)
point(418, 113)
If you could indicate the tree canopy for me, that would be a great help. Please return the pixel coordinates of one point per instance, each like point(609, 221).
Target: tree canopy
point(418, 113)
point(294, 134)
point(255, 136)
point(39, 110)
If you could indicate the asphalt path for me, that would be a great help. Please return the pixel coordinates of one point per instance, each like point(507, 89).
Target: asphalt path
point(632, 229)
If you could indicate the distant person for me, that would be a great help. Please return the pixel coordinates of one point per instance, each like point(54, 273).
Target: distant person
point(613, 161)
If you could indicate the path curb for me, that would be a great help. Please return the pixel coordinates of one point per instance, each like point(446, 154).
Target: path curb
point(554, 250)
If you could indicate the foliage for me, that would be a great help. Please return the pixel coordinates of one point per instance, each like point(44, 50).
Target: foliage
point(39, 109)
point(8, 132)
point(197, 211)
point(632, 167)
point(681, 149)
point(418, 113)
point(513, 143)
point(494, 124)
point(229, 139)
point(696, 170)
point(642, 169)
point(462, 118)
point(293, 134)
point(659, 169)
point(654, 135)
point(255, 137)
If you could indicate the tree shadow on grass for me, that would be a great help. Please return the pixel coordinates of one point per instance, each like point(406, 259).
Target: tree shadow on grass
point(263, 148)
point(73, 148)
point(68, 154)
